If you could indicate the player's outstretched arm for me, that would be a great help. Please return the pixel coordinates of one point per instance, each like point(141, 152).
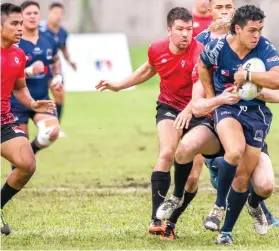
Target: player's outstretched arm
point(205, 75)
point(22, 94)
point(202, 106)
point(142, 74)
point(66, 55)
point(268, 95)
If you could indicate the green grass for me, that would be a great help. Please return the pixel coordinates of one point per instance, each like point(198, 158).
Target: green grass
point(91, 190)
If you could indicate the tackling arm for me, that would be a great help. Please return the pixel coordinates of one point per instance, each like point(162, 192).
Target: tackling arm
point(268, 95)
point(205, 75)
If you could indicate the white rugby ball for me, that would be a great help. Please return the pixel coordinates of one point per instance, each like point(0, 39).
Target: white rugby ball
point(249, 91)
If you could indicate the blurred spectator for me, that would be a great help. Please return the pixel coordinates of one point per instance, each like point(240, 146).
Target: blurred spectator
point(202, 18)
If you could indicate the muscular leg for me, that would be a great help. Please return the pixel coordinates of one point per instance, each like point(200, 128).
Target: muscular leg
point(160, 178)
point(19, 152)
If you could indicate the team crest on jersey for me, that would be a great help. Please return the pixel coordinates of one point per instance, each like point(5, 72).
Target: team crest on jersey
point(16, 60)
point(259, 136)
point(183, 63)
point(49, 54)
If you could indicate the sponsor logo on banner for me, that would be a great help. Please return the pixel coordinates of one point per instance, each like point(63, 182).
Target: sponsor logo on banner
point(259, 136)
point(103, 65)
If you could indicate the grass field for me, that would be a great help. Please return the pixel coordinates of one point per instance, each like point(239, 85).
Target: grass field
point(91, 189)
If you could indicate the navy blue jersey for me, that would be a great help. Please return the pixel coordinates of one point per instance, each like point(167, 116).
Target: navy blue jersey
point(218, 54)
point(60, 37)
point(204, 37)
point(44, 50)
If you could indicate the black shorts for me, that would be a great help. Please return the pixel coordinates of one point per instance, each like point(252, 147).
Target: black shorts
point(165, 111)
point(11, 131)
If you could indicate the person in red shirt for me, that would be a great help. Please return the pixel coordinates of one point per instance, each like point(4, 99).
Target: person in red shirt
point(15, 146)
point(173, 58)
point(202, 17)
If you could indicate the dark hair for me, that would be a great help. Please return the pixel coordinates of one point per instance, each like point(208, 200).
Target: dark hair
point(56, 4)
point(26, 4)
point(244, 14)
point(7, 9)
point(178, 13)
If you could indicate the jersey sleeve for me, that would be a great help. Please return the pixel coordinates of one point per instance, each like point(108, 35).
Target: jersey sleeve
point(210, 54)
point(151, 55)
point(270, 56)
point(202, 36)
point(23, 65)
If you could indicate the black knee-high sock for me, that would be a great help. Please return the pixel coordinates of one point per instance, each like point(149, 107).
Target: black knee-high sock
point(35, 148)
point(181, 174)
point(188, 197)
point(255, 199)
point(7, 192)
point(236, 201)
point(160, 183)
point(59, 108)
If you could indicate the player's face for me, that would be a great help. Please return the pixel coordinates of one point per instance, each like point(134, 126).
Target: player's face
point(181, 33)
point(202, 6)
point(11, 29)
point(31, 17)
point(55, 15)
point(221, 9)
point(250, 34)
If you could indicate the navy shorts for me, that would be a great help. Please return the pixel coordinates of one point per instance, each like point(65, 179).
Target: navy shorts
point(255, 121)
point(23, 114)
point(10, 131)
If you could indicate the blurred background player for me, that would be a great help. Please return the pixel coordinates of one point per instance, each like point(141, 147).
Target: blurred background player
point(202, 17)
point(173, 58)
point(41, 52)
point(15, 147)
point(53, 27)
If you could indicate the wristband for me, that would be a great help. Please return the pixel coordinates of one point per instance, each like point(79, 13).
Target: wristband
point(29, 71)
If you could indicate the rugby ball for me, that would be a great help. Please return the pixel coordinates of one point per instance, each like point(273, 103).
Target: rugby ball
point(249, 91)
